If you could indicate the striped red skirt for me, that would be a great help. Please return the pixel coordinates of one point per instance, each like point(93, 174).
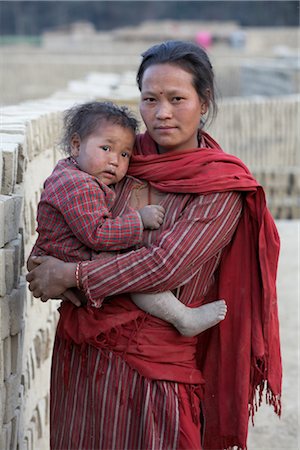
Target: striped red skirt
point(98, 402)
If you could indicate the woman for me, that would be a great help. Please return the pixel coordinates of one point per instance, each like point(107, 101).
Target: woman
point(130, 380)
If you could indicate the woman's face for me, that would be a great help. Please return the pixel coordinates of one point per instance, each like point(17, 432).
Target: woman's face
point(171, 107)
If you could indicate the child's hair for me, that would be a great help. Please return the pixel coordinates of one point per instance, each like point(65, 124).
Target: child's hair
point(85, 118)
point(188, 56)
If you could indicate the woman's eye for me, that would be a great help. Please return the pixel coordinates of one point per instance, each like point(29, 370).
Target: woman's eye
point(149, 99)
point(177, 99)
point(106, 148)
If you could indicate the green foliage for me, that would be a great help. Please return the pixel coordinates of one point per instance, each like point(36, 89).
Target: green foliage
point(33, 17)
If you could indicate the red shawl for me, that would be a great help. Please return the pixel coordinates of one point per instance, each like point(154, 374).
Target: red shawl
point(241, 357)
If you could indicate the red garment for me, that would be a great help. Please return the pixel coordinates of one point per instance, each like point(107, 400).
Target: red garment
point(74, 216)
point(248, 340)
point(107, 405)
point(183, 253)
point(195, 170)
point(133, 335)
point(246, 278)
point(192, 254)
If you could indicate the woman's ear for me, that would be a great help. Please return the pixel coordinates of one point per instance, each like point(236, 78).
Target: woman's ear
point(205, 102)
point(204, 108)
point(75, 145)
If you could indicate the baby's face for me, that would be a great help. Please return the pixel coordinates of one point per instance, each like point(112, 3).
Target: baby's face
point(105, 153)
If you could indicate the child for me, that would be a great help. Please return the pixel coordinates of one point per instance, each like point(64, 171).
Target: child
point(74, 218)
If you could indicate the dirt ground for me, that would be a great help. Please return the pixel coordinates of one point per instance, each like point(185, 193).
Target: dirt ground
point(270, 432)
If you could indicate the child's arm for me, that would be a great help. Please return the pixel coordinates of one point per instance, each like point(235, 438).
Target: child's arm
point(188, 321)
point(87, 213)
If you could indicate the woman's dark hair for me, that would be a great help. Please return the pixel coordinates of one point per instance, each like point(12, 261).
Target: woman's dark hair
point(191, 58)
point(85, 118)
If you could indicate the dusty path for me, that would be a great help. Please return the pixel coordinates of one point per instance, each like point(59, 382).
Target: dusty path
point(270, 432)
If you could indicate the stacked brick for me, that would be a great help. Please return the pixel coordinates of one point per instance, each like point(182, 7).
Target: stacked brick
point(27, 154)
point(12, 287)
point(269, 77)
point(263, 133)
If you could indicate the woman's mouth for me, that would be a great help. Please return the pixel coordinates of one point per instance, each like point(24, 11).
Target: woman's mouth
point(165, 129)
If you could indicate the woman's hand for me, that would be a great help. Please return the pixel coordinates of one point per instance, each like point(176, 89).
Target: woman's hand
point(50, 277)
point(74, 296)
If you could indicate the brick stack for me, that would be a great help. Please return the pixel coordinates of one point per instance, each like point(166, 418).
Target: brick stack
point(263, 132)
point(27, 155)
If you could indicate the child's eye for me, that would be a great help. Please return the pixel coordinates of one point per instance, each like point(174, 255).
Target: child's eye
point(126, 155)
point(106, 148)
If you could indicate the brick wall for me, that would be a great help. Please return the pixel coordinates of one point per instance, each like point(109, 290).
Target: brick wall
point(28, 153)
point(262, 132)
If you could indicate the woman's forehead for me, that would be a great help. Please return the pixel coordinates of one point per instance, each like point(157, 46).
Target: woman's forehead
point(167, 75)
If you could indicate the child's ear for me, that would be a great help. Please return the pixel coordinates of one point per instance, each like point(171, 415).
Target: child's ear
point(75, 145)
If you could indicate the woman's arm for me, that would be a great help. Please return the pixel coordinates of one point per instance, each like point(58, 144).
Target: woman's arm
point(205, 227)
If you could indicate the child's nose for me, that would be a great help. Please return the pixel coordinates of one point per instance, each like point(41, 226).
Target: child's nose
point(114, 159)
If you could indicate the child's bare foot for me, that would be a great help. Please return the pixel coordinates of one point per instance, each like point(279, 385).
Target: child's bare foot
point(196, 320)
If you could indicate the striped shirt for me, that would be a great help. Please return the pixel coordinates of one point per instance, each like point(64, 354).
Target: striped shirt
point(74, 217)
point(107, 404)
point(182, 254)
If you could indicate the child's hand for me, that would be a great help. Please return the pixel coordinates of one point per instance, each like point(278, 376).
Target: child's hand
point(152, 216)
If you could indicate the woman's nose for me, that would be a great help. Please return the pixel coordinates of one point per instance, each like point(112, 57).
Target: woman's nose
point(164, 110)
